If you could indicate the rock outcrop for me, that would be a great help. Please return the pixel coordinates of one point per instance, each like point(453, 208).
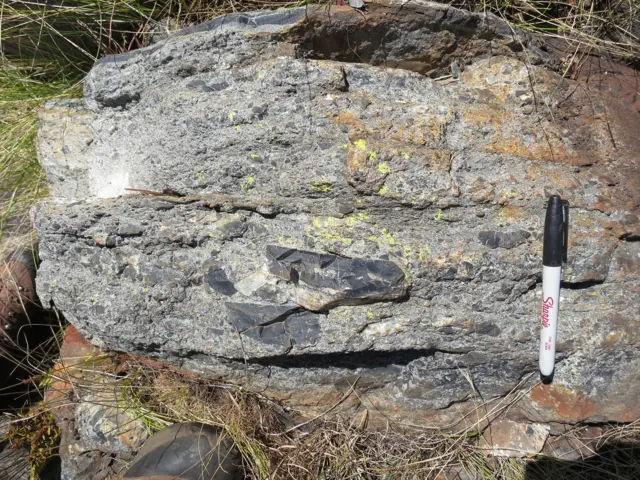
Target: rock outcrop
point(316, 204)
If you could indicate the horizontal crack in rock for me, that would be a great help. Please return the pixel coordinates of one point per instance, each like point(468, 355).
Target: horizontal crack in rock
point(351, 360)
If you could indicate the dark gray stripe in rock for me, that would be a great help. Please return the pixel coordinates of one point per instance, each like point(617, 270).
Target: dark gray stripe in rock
point(303, 328)
point(271, 334)
point(248, 20)
point(125, 57)
point(494, 239)
point(240, 20)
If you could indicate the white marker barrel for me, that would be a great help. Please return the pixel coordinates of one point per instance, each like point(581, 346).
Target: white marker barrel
point(550, 304)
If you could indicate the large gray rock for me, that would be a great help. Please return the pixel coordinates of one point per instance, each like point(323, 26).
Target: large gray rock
point(264, 97)
point(328, 225)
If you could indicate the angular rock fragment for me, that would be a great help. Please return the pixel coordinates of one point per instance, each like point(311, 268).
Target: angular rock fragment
point(280, 325)
point(506, 438)
point(575, 445)
point(218, 281)
point(326, 280)
point(244, 316)
point(494, 239)
point(108, 428)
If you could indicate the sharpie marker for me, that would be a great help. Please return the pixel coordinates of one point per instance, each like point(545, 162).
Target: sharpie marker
point(554, 252)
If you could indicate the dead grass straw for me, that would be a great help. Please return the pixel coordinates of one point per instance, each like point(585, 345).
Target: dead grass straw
point(276, 443)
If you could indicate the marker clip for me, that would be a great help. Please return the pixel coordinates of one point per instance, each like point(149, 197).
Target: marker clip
point(565, 229)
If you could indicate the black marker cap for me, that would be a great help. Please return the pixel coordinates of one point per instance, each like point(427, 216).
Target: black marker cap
point(547, 379)
point(556, 232)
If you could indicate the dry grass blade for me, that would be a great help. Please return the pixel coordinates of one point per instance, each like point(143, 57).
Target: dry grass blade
point(609, 27)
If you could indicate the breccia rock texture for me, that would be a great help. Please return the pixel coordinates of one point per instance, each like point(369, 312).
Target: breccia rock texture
point(346, 209)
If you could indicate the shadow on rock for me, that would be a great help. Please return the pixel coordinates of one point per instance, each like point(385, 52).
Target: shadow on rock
point(616, 459)
point(27, 332)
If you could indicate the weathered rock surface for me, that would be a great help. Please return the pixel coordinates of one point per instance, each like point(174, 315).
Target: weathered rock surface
point(349, 225)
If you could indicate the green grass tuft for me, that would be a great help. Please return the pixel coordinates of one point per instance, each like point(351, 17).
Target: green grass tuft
point(37, 431)
point(22, 181)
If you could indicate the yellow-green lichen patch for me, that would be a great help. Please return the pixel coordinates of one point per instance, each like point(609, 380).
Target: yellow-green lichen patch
point(323, 186)
point(351, 220)
point(384, 238)
point(361, 144)
point(416, 252)
point(237, 127)
point(249, 184)
point(329, 229)
point(285, 240)
point(199, 177)
point(332, 237)
point(254, 156)
point(356, 227)
point(387, 237)
point(438, 215)
point(384, 189)
point(384, 168)
point(423, 253)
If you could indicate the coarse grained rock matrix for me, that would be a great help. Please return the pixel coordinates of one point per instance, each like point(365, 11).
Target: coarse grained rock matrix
point(334, 219)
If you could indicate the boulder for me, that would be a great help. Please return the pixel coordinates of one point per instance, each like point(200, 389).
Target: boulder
point(317, 204)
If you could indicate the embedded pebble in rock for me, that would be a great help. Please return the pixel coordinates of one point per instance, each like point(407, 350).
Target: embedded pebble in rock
point(311, 211)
